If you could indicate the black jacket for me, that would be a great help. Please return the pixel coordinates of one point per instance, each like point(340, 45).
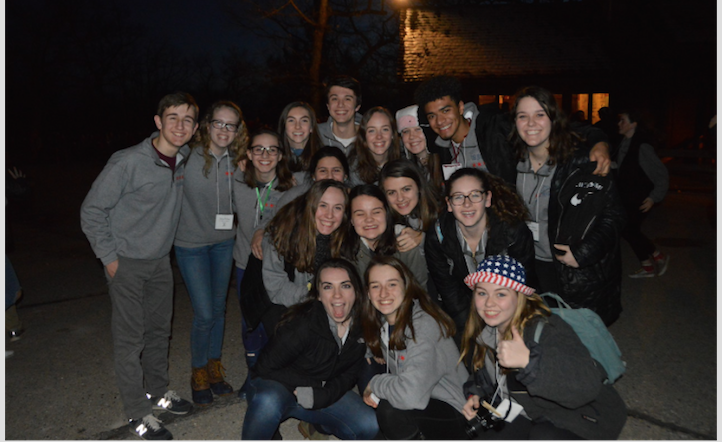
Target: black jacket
point(447, 265)
point(596, 284)
point(561, 383)
point(492, 127)
point(304, 353)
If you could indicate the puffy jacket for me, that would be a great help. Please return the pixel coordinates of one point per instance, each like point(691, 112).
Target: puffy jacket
point(561, 383)
point(596, 284)
point(304, 353)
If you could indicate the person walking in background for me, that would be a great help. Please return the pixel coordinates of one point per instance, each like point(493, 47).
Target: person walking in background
point(204, 241)
point(643, 182)
point(130, 217)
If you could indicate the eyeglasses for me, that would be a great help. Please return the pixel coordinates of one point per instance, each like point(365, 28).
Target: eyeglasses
point(475, 196)
point(229, 127)
point(272, 151)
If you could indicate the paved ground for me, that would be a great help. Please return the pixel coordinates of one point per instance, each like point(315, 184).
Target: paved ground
point(60, 382)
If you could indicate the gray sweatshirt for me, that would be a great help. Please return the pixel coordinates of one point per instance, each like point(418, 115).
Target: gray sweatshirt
point(250, 217)
point(414, 260)
point(133, 207)
point(203, 198)
point(280, 289)
point(426, 369)
point(325, 131)
point(469, 154)
point(534, 188)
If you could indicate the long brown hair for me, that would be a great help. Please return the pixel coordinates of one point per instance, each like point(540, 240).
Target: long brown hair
point(562, 140)
point(428, 207)
point(283, 174)
point(202, 138)
point(313, 144)
point(371, 318)
point(366, 166)
point(293, 229)
point(527, 308)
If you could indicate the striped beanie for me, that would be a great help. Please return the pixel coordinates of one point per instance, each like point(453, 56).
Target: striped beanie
point(501, 270)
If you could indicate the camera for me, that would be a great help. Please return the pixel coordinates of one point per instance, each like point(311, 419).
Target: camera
point(482, 421)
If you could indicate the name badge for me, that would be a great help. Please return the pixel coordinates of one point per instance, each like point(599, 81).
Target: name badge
point(534, 227)
point(224, 222)
point(449, 169)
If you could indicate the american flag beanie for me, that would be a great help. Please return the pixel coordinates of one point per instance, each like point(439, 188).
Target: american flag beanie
point(502, 270)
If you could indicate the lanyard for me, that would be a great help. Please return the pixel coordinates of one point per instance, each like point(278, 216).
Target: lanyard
point(261, 205)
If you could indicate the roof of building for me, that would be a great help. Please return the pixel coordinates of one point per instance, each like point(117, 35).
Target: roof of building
point(500, 41)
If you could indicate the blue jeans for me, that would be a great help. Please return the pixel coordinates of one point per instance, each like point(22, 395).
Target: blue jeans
point(206, 271)
point(270, 403)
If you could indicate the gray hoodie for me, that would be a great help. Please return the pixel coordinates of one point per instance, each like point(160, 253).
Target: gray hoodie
point(250, 217)
point(203, 198)
point(427, 368)
point(280, 289)
point(133, 207)
point(414, 260)
point(469, 154)
point(325, 131)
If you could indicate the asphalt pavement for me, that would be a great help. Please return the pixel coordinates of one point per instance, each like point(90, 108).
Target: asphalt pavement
point(60, 384)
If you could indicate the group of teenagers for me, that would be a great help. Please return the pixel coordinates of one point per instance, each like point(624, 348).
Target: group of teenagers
point(402, 255)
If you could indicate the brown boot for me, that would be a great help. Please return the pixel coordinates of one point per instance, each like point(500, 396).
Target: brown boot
point(215, 378)
point(201, 390)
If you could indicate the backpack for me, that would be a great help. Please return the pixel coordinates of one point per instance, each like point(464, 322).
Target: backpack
point(593, 334)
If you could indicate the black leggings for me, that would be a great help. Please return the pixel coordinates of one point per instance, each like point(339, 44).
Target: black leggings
point(438, 421)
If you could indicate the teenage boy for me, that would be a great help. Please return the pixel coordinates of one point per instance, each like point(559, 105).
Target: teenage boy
point(343, 100)
point(471, 136)
point(130, 217)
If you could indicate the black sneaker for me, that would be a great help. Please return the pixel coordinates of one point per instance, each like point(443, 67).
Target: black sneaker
point(170, 402)
point(149, 428)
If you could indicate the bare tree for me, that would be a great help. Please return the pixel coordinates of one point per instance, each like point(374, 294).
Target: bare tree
point(309, 39)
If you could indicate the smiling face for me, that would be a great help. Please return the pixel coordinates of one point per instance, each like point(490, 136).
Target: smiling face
point(533, 123)
point(386, 291)
point(222, 138)
point(336, 293)
point(176, 126)
point(468, 214)
point(329, 168)
point(495, 304)
point(298, 127)
point(265, 164)
point(368, 217)
point(402, 194)
point(378, 136)
point(341, 104)
point(445, 118)
point(414, 139)
point(329, 213)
